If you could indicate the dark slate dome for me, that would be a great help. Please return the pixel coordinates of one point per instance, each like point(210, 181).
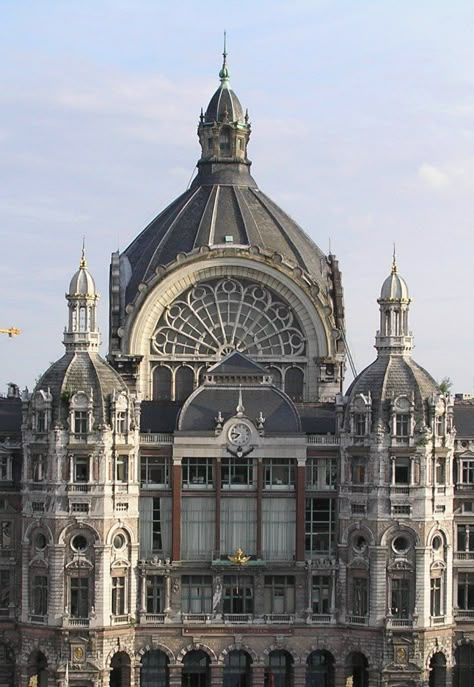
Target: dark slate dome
point(223, 206)
point(81, 371)
point(392, 376)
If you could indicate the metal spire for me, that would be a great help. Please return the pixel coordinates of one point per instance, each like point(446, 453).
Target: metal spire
point(83, 262)
point(394, 260)
point(224, 74)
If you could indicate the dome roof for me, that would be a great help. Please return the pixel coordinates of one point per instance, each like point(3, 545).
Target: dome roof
point(394, 288)
point(230, 214)
point(392, 376)
point(81, 371)
point(82, 283)
point(224, 105)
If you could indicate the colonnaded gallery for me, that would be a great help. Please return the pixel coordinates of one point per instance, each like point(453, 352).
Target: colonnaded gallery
point(209, 506)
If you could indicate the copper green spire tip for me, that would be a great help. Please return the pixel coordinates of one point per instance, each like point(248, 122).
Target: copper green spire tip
point(224, 74)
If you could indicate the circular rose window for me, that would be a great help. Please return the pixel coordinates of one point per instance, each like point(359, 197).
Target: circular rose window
point(79, 543)
point(400, 544)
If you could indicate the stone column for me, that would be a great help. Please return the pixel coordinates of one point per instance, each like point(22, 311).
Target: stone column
point(259, 506)
point(300, 510)
point(257, 675)
point(340, 675)
point(175, 670)
point(299, 675)
point(374, 677)
point(176, 513)
point(217, 542)
point(216, 674)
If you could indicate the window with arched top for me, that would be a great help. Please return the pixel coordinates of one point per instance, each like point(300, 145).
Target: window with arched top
point(294, 382)
point(279, 671)
point(320, 669)
point(237, 669)
point(154, 669)
point(464, 666)
point(196, 670)
point(161, 383)
point(438, 670)
point(183, 384)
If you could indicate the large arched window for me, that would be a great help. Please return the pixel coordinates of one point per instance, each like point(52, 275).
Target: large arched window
point(294, 382)
point(154, 669)
point(196, 671)
point(320, 669)
point(38, 668)
point(279, 671)
point(236, 669)
point(120, 670)
point(464, 669)
point(357, 667)
point(6, 667)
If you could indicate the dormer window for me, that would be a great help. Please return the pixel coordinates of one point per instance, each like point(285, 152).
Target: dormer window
point(360, 424)
point(80, 424)
point(41, 421)
point(5, 468)
point(121, 424)
point(439, 422)
point(402, 425)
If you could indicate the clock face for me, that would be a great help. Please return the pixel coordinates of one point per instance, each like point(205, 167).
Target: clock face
point(239, 434)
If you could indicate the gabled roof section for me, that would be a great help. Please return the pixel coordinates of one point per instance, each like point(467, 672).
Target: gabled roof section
point(235, 364)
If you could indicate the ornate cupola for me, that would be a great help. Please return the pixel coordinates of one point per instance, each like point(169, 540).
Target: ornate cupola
point(224, 129)
point(394, 336)
point(82, 333)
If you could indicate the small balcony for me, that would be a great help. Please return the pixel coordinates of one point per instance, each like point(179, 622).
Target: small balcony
point(153, 618)
point(237, 618)
point(357, 619)
point(399, 622)
point(464, 615)
point(78, 488)
point(76, 622)
point(197, 617)
point(320, 618)
point(279, 618)
point(123, 619)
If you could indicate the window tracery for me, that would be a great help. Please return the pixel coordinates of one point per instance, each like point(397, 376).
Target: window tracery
point(214, 318)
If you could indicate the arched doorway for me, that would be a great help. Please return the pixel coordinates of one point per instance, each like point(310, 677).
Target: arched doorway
point(464, 669)
point(237, 669)
point(438, 671)
point(279, 671)
point(357, 667)
point(38, 670)
point(120, 670)
point(154, 670)
point(183, 383)
point(320, 669)
point(7, 667)
point(196, 670)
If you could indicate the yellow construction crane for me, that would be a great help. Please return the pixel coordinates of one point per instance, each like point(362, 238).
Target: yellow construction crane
point(13, 331)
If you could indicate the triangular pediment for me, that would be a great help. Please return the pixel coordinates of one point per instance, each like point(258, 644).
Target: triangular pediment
point(236, 364)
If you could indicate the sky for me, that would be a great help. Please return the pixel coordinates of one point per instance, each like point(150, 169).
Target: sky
point(362, 118)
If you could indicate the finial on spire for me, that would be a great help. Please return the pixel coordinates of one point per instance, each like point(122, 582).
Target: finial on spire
point(240, 405)
point(394, 260)
point(83, 262)
point(224, 72)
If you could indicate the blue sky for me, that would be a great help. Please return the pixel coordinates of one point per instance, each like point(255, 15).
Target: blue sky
point(362, 116)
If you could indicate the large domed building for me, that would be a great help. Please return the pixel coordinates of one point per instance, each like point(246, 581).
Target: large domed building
point(207, 506)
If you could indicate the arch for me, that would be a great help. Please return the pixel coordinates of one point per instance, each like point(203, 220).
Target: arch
point(116, 527)
point(294, 383)
point(237, 667)
point(276, 647)
point(357, 527)
point(393, 530)
point(463, 673)
point(196, 669)
point(433, 532)
point(162, 379)
point(437, 675)
point(357, 667)
point(44, 528)
point(154, 669)
point(278, 668)
point(155, 646)
point(320, 668)
point(7, 664)
point(277, 377)
point(195, 646)
point(120, 669)
point(236, 647)
point(38, 667)
point(75, 528)
point(183, 383)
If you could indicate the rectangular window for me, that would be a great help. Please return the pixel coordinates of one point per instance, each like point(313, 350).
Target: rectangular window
point(39, 604)
point(319, 526)
point(121, 425)
point(440, 425)
point(466, 591)
point(321, 473)
point(5, 468)
point(196, 593)
point(238, 594)
point(237, 472)
point(79, 597)
point(5, 534)
point(402, 470)
point(360, 423)
point(467, 471)
point(320, 594)
point(154, 594)
point(279, 594)
point(118, 595)
point(81, 469)
point(154, 526)
point(122, 469)
point(435, 597)
point(80, 424)
point(400, 606)
point(402, 425)
point(360, 595)
point(155, 471)
point(279, 472)
point(4, 592)
point(358, 471)
point(440, 471)
point(465, 538)
point(38, 468)
point(198, 472)
point(41, 421)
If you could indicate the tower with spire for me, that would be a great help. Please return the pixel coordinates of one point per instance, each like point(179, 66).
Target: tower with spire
point(82, 333)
